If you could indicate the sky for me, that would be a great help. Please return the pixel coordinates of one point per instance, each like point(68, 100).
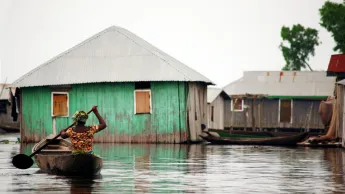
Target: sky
point(218, 38)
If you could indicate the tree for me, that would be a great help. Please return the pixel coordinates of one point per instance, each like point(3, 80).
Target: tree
point(301, 43)
point(333, 20)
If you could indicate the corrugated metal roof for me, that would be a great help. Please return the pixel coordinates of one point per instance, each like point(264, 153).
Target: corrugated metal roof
point(5, 95)
point(113, 55)
point(337, 63)
point(341, 82)
point(282, 83)
point(214, 92)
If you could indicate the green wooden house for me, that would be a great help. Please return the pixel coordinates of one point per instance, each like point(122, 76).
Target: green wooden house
point(145, 95)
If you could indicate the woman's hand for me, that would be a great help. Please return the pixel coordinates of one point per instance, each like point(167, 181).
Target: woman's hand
point(63, 134)
point(94, 109)
point(62, 131)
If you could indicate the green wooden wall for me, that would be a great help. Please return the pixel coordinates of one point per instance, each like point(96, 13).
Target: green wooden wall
point(115, 101)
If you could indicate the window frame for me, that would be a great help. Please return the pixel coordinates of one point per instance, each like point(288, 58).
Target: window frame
point(232, 106)
point(52, 103)
point(212, 113)
point(291, 107)
point(135, 101)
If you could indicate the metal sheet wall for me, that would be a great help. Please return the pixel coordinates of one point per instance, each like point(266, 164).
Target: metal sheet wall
point(305, 114)
point(167, 123)
point(197, 109)
point(36, 121)
point(218, 113)
point(266, 114)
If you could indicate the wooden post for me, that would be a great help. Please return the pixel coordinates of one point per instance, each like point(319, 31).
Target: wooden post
point(339, 104)
point(245, 111)
point(253, 117)
point(259, 114)
point(54, 125)
point(232, 115)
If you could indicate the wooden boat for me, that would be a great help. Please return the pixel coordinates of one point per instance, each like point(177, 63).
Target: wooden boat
point(249, 134)
point(9, 128)
point(276, 141)
point(57, 158)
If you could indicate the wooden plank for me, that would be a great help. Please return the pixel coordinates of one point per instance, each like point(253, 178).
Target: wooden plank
point(60, 105)
point(285, 111)
point(142, 100)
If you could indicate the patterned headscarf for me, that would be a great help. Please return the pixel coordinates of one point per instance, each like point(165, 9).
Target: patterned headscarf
point(80, 116)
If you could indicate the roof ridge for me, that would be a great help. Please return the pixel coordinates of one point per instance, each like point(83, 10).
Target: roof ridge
point(62, 54)
point(116, 28)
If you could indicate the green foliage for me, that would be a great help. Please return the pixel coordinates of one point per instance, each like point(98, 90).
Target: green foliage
point(333, 20)
point(300, 45)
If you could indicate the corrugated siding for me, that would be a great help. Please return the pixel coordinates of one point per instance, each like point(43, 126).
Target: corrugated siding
point(36, 113)
point(218, 116)
point(270, 112)
point(266, 114)
point(301, 112)
point(197, 109)
point(167, 123)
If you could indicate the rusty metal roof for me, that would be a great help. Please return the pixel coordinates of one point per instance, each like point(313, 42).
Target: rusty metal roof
point(282, 83)
point(337, 64)
point(113, 55)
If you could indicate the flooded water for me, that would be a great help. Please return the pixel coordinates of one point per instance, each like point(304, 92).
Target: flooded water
point(187, 169)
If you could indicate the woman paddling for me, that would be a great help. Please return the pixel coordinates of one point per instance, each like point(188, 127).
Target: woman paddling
point(82, 136)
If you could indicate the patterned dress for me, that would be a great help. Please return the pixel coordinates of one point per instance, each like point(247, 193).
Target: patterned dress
point(82, 141)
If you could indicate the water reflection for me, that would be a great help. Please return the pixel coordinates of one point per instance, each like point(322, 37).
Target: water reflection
point(169, 168)
point(336, 161)
point(82, 185)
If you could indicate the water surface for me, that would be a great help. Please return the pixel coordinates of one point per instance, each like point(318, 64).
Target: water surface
point(168, 168)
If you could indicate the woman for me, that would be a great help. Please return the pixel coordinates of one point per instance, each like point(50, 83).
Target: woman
point(82, 136)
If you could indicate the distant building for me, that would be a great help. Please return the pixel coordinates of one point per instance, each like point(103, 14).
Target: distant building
point(144, 94)
point(277, 100)
point(9, 114)
point(216, 98)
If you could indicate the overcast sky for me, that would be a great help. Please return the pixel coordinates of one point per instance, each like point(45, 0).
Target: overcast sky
point(218, 38)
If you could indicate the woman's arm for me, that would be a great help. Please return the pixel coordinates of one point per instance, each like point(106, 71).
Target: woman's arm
point(102, 125)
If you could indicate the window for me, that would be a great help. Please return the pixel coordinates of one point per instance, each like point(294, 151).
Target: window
point(142, 98)
point(237, 104)
point(3, 106)
point(60, 103)
point(212, 113)
point(285, 111)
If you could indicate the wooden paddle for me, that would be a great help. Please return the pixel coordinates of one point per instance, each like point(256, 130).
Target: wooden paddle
point(23, 161)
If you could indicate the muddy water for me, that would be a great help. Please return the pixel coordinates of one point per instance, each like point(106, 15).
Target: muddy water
point(187, 169)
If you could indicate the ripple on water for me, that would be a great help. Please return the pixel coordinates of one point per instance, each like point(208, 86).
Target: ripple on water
point(188, 169)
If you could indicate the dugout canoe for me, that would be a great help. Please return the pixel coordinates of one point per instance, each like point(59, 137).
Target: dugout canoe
point(57, 158)
point(273, 141)
point(249, 134)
